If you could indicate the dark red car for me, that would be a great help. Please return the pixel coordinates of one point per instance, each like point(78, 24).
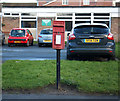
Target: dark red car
point(20, 36)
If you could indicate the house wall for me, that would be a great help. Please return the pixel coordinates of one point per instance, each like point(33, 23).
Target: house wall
point(10, 22)
point(115, 28)
point(0, 7)
point(40, 27)
point(19, 4)
point(0, 15)
point(78, 3)
point(13, 22)
point(99, 3)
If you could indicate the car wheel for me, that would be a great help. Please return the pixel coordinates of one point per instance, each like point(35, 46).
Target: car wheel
point(27, 44)
point(32, 43)
point(111, 58)
point(39, 45)
point(69, 57)
point(9, 44)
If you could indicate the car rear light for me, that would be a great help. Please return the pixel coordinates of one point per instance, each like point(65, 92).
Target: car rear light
point(72, 37)
point(110, 36)
point(110, 51)
point(39, 36)
point(71, 51)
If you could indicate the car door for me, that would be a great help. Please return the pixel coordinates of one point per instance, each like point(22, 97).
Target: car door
point(30, 36)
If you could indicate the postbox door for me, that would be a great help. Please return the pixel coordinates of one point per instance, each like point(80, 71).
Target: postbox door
point(58, 35)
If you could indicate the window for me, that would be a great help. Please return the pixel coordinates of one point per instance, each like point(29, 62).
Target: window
point(88, 29)
point(15, 13)
point(48, 31)
point(64, 2)
point(68, 25)
point(86, 2)
point(28, 24)
point(6, 13)
point(18, 33)
point(25, 14)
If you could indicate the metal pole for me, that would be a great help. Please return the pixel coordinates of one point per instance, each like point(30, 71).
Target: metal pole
point(58, 68)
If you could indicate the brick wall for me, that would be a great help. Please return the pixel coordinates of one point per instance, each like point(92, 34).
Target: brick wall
point(0, 15)
point(0, 22)
point(78, 3)
point(19, 4)
point(10, 22)
point(40, 27)
point(0, 7)
point(119, 29)
point(115, 28)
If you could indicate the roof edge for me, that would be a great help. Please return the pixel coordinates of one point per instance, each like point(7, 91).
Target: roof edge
point(61, 6)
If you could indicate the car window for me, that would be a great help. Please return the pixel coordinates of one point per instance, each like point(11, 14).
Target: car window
point(18, 33)
point(46, 31)
point(86, 29)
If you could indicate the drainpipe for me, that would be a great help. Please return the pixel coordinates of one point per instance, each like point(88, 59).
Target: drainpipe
point(110, 21)
point(92, 18)
point(73, 18)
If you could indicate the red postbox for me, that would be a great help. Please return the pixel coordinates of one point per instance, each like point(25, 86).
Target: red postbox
point(58, 35)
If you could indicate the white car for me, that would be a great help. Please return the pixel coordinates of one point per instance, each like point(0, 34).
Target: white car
point(45, 37)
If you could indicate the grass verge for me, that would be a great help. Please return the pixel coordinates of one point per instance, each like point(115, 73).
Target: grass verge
point(35, 42)
point(87, 76)
point(117, 51)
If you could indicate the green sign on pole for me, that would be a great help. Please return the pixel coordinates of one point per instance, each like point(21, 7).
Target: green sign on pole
point(46, 22)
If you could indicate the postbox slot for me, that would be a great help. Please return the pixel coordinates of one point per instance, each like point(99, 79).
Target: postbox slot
point(58, 23)
point(58, 29)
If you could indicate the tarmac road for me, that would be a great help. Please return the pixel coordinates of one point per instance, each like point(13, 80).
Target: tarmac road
point(37, 53)
point(30, 53)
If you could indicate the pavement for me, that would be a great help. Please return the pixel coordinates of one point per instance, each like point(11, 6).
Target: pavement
point(43, 96)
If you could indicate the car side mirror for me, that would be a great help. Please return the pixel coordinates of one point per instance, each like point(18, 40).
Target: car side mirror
point(27, 34)
point(9, 34)
point(68, 34)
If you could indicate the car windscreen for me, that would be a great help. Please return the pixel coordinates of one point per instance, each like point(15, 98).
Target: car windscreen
point(18, 33)
point(88, 29)
point(46, 32)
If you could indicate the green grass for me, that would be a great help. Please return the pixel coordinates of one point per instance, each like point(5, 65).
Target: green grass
point(35, 42)
point(117, 51)
point(87, 76)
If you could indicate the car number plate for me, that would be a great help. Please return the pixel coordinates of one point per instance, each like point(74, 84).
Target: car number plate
point(46, 40)
point(91, 40)
point(17, 41)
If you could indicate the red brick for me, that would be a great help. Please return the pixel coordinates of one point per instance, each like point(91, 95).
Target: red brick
point(115, 28)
